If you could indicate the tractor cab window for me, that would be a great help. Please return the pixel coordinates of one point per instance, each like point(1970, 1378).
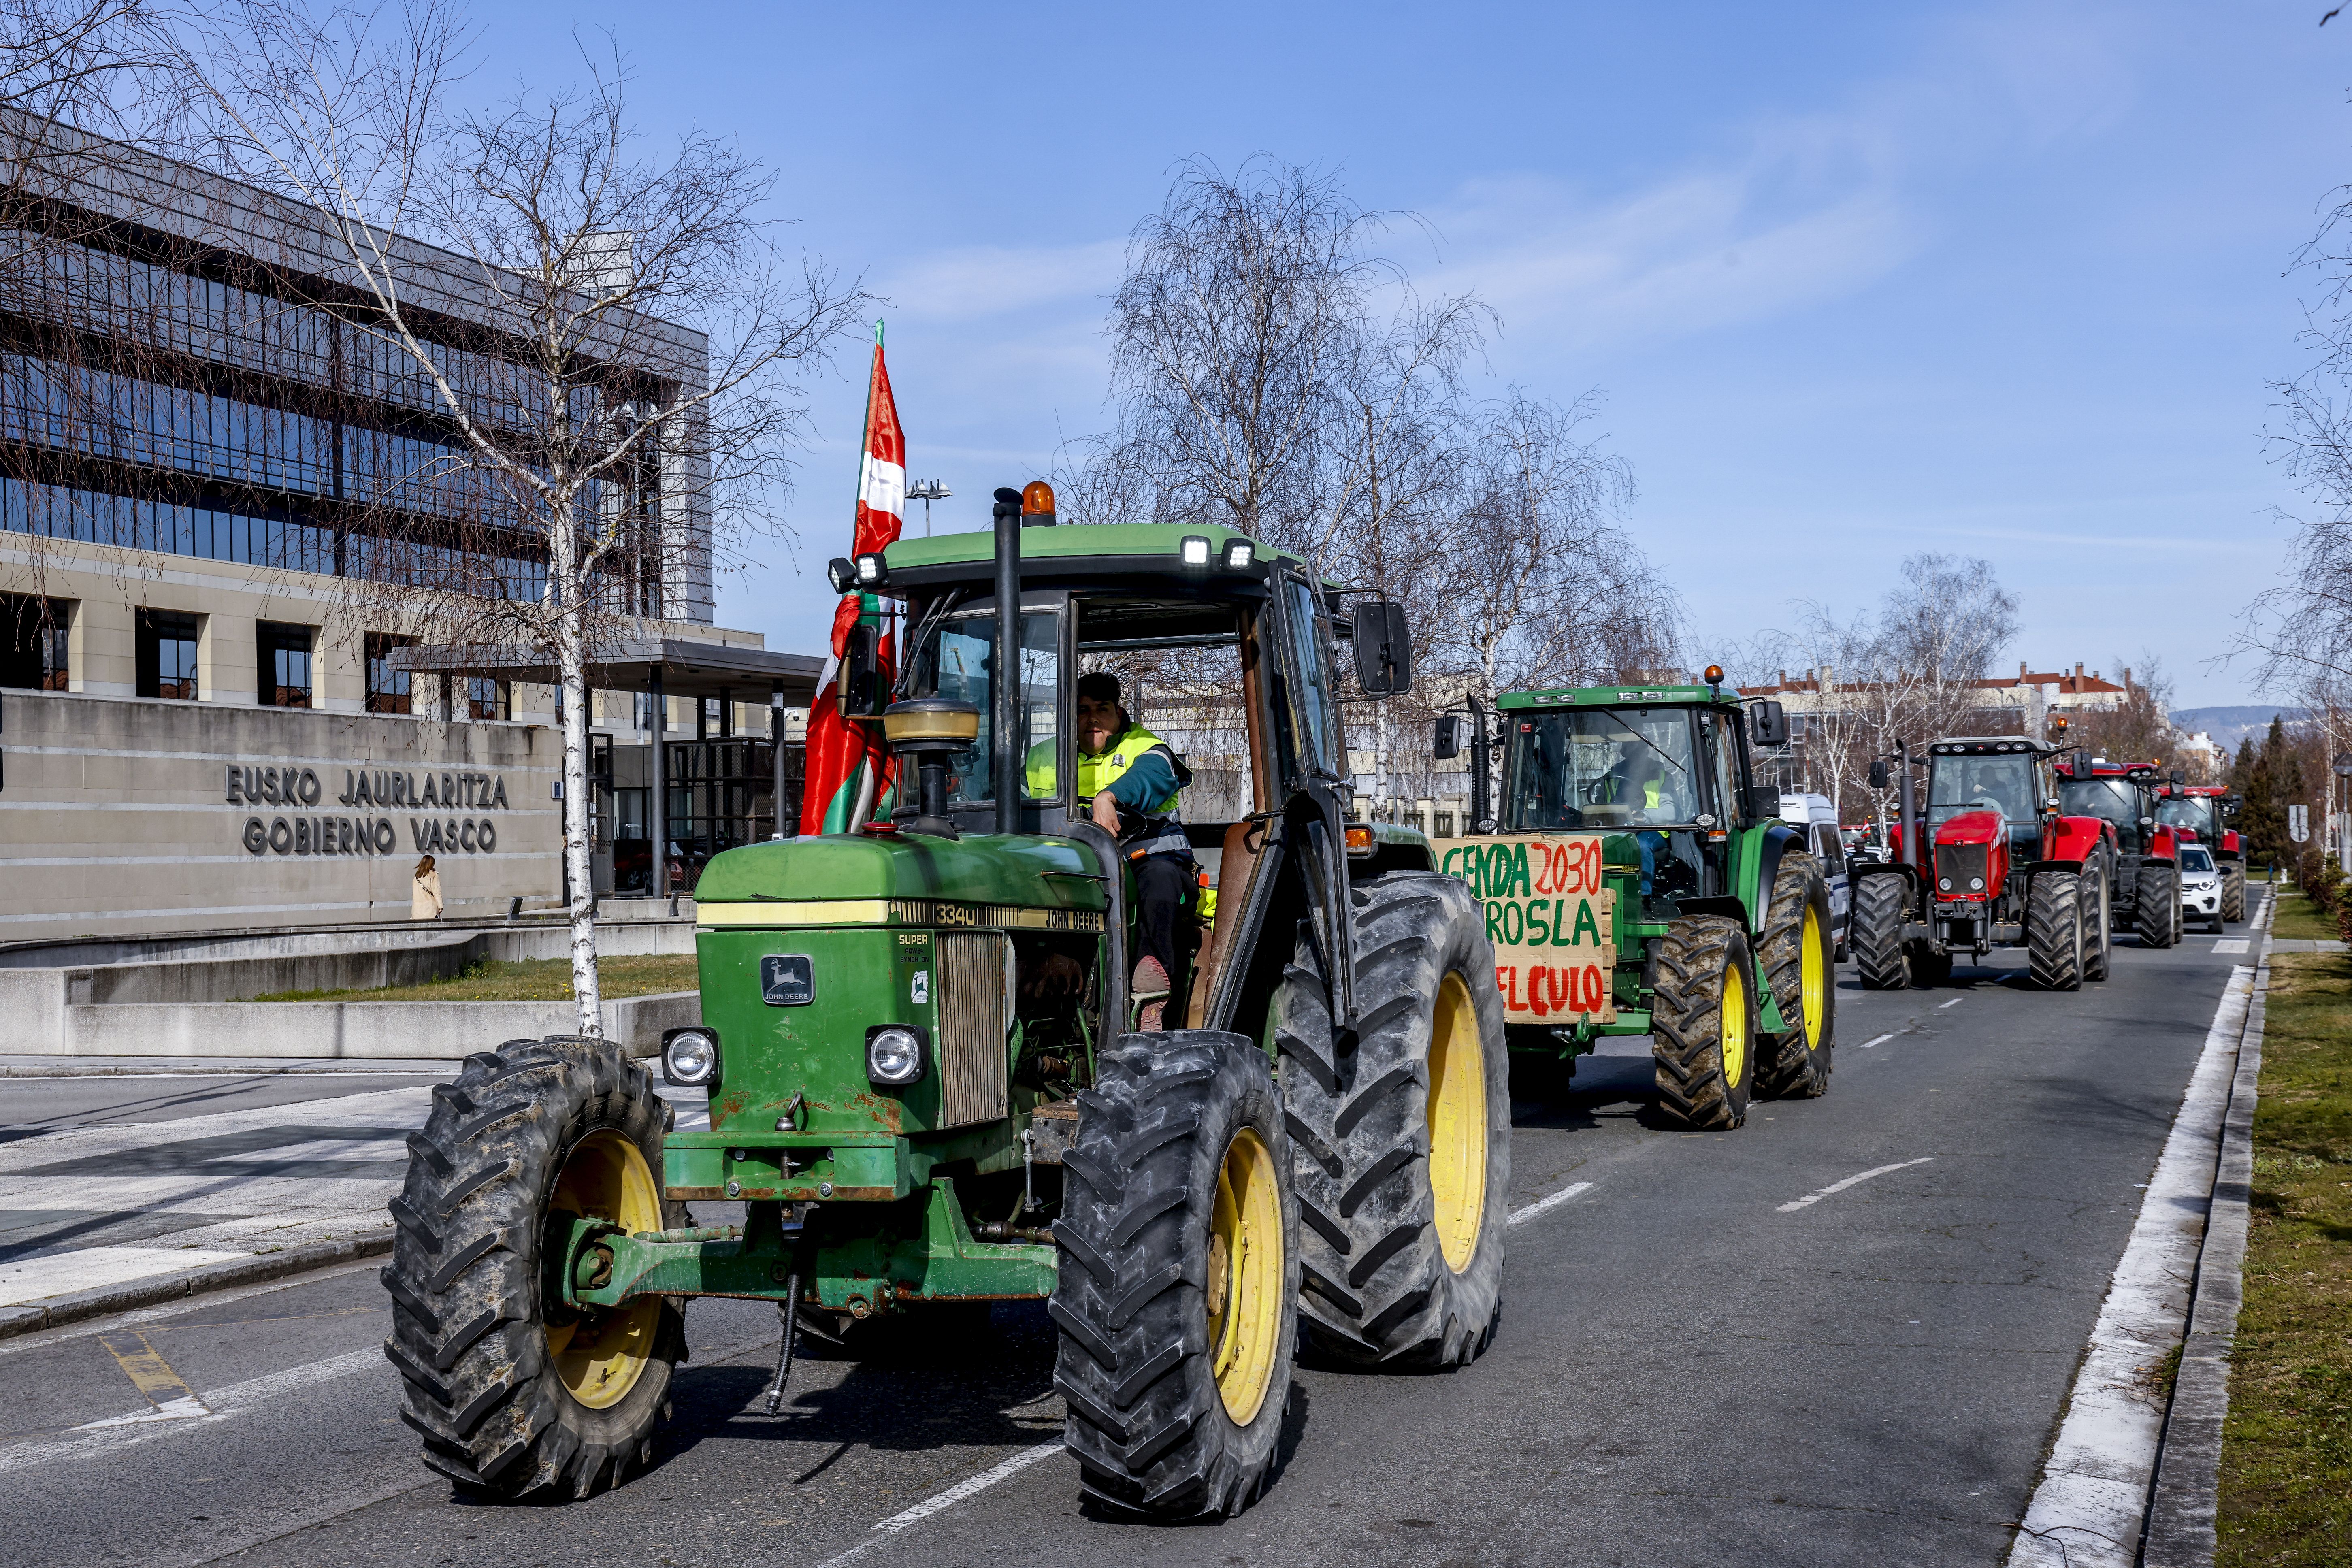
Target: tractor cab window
point(1307, 680)
point(1602, 767)
point(2185, 811)
point(1723, 765)
point(2110, 800)
point(957, 661)
point(1962, 784)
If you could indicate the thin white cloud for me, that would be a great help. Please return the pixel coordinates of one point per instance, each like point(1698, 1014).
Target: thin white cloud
point(977, 281)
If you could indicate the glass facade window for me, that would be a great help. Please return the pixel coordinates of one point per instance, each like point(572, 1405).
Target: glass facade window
point(486, 698)
point(282, 665)
point(167, 653)
point(33, 642)
point(388, 687)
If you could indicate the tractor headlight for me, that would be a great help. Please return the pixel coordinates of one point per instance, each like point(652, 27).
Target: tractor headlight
point(689, 1058)
point(894, 1054)
point(1239, 553)
point(1944, 885)
point(1976, 884)
point(1193, 550)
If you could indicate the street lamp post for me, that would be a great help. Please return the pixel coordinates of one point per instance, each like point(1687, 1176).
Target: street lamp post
point(927, 491)
point(2342, 815)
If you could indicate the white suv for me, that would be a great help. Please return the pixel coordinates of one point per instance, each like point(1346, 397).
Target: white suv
point(2200, 886)
point(1814, 817)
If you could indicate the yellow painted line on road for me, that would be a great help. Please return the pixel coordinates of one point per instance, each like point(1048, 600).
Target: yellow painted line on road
point(153, 1376)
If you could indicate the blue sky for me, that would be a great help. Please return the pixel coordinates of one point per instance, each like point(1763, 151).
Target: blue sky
point(2001, 279)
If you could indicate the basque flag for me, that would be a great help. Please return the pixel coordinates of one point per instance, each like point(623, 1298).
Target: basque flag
point(848, 770)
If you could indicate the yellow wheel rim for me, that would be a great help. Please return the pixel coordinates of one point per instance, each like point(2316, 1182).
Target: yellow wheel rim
point(1735, 1028)
point(1245, 1276)
point(1813, 978)
point(600, 1354)
point(1457, 1122)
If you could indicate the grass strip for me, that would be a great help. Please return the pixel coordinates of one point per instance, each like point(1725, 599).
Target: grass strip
point(531, 980)
point(2296, 917)
point(2286, 1448)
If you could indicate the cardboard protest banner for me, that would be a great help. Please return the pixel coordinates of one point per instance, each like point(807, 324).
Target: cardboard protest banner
point(1548, 915)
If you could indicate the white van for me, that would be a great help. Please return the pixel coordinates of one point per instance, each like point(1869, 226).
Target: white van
point(1817, 820)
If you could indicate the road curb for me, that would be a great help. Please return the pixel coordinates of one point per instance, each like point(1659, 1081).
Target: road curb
point(2187, 1497)
point(32, 1317)
point(2091, 1503)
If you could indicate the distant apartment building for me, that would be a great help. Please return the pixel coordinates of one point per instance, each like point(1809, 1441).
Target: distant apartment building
point(201, 448)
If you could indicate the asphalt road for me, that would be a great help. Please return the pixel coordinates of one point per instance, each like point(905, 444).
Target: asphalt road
point(1694, 1366)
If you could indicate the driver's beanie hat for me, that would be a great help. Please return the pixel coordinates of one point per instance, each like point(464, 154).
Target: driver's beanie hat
point(1101, 685)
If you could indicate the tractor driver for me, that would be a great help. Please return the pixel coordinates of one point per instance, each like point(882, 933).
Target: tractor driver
point(1135, 781)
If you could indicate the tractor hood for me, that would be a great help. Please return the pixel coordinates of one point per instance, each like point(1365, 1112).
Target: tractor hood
point(1973, 827)
point(1020, 871)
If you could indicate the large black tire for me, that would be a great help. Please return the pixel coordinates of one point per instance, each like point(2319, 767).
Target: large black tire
point(1796, 1065)
point(2233, 891)
point(1181, 1134)
point(510, 1399)
point(1874, 923)
point(2098, 900)
point(2054, 931)
point(2157, 917)
point(1703, 1023)
point(1403, 1143)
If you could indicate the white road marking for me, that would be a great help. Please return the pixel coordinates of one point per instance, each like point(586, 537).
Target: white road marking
point(170, 1410)
point(2092, 1495)
point(2233, 945)
point(1880, 1041)
point(1953, 1003)
point(1851, 1181)
point(234, 1400)
point(948, 1498)
point(1551, 1200)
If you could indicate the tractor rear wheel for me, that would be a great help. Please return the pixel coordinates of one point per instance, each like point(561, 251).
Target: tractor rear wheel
point(514, 1393)
point(1703, 1023)
point(1801, 965)
point(1178, 1241)
point(2098, 899)
point(2233, 891)
point(1874, 926)
point(2157, 915)
point(1402, 1141)
point(2054, 931)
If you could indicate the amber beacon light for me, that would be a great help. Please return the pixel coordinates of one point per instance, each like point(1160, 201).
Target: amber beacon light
point(1037, 504)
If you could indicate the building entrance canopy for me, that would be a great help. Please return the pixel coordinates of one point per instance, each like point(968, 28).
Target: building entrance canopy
point(661, 668)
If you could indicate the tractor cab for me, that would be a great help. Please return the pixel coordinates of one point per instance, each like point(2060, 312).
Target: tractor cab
point(2122, 794)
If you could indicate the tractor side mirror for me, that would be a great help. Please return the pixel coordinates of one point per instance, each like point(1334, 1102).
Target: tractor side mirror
point(1451, 739)
point(1880, 778)
point(2080, 765)
point(1383, 649)
point(2177, 778)
point(862, 693)
point(1768, 724)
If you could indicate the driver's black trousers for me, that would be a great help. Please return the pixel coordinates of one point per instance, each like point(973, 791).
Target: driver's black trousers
point(1160, 882)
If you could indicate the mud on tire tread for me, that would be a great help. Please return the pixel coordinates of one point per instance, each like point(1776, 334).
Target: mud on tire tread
point(1687, 1023)
point(1377, 1288)
point(1785, 1069)
point(2156, 917)
point(1874, 932)
point(1146, 1424)
point(478, 1382)
point(2054, 931)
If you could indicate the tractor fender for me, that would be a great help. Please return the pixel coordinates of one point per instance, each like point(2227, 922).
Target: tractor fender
point(2077, 837)
point(1861, 868)
point(1729, 908)
point(1777, 837)
point(2071, 868)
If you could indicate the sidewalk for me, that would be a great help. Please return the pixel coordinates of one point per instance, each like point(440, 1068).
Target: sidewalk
point(179, 1204)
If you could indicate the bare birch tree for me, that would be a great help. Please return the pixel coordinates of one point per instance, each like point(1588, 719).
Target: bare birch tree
point(602, 338)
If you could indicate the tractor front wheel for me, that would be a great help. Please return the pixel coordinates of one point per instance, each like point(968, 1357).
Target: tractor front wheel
point(1801, 965)
point(515, 1392)
point(2156, 917)
point(1178, 1241)
point(2233, 891)
point(2098, 899)
point(2054, 931)
point(1402, 1140)
point(1703, 1023)
point(1874, 932)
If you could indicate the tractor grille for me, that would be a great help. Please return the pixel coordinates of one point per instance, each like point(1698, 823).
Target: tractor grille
point(972, 1016)
point(1957, 863)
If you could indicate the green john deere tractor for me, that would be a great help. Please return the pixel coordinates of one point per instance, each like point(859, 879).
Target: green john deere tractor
point(1643, 883)
point(926, 1089)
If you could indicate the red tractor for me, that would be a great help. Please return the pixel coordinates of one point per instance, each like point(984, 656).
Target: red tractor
point(2148, 858)
point(2202, 813)
point(2006, 871)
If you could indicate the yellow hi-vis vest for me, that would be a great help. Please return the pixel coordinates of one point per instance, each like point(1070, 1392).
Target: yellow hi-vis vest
point(1163, 829)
